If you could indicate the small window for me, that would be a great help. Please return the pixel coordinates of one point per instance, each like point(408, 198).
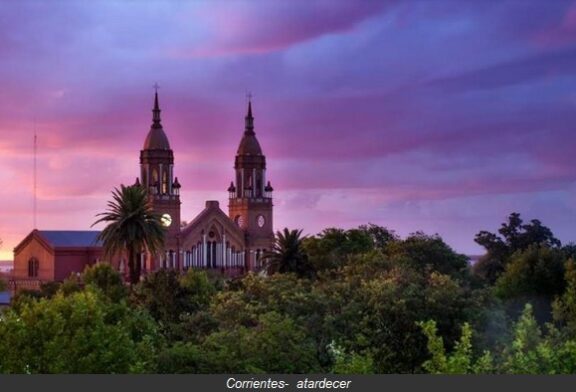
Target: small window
point(33, 266)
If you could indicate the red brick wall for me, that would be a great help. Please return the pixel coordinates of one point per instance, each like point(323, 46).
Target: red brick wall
point(72, 261)
point(45, 258)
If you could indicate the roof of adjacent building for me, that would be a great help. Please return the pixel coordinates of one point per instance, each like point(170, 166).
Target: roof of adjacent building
point(71, 238)
point(5, 298)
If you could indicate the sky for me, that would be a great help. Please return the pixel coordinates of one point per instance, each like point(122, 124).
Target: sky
point(439, 116)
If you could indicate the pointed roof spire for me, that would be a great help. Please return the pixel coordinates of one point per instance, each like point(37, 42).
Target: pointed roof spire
point(249, 144)
point(156, 111)
point(249, 119)
point(156, 139)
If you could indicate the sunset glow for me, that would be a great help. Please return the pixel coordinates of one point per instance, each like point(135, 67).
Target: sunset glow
point(440, 116)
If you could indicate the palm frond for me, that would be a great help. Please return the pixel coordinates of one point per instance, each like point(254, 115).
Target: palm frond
point(132, 224)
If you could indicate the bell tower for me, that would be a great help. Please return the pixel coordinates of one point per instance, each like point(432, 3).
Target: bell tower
point(250, 196)
point(157, 176)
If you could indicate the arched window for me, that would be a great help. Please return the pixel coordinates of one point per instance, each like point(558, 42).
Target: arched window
point(164, 183)
point(154, 183)
point(33, 266)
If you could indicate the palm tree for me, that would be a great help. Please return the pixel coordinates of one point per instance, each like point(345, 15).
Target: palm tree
point(287, 255)
point(132, 227)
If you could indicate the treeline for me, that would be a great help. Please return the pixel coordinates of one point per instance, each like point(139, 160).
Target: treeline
point(343, 301)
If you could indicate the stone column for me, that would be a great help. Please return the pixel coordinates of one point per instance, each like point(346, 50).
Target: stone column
point(224, 264)
point(204, 251)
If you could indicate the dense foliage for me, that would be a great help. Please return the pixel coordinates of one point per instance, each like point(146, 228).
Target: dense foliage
point(362, 300)
point(80, 333)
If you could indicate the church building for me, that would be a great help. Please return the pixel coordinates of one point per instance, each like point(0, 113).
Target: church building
point(232, 243)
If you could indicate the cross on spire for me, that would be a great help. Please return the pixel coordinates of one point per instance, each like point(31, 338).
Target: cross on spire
point(156, 87)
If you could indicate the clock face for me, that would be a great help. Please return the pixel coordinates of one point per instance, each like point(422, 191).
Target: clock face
point(166, 220)
point(261, 221)
point(240, 221)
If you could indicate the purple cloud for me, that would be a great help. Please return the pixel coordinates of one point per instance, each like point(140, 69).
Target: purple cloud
point(542, 65)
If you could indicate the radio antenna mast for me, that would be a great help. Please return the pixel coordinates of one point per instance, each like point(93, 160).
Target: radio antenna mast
point(35, 174)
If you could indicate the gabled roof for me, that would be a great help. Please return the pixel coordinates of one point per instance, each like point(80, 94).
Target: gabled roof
point(71, 238)
point(213, 211)
point(52, 239)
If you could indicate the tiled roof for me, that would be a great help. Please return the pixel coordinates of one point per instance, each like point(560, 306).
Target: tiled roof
point(71, 238)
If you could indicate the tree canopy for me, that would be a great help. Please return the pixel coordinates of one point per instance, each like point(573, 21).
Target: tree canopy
point(514, 235)
point(360, 300)
point(79, 333)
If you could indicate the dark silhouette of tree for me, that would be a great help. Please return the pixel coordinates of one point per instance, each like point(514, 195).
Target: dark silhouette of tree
point(513, 235)
point(287, 255)
point(381, 236)
point(133, 227)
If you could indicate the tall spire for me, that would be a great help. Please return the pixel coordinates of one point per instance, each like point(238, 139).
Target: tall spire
point(249, 144)
point(156, 139)
point(156, 111)
point(249, 120)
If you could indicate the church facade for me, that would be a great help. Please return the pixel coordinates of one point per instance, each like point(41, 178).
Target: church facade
point(232, 243)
